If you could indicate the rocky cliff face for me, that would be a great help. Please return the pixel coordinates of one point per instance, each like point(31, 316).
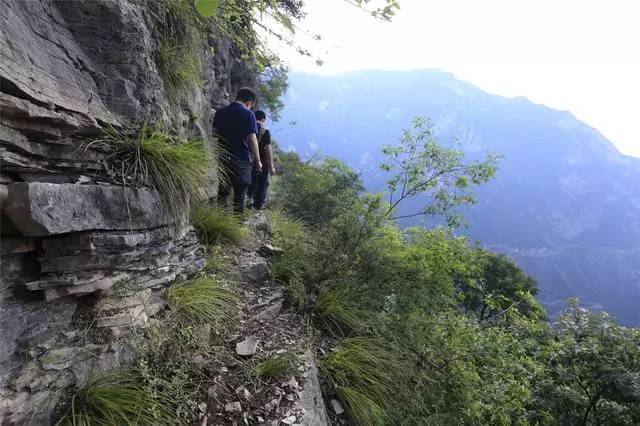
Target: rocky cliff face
point(72, 236)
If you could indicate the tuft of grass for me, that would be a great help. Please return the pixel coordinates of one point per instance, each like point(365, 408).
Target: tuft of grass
point(177, 169)
point(296, 292)
point(361, 408)
point(276, 366)
point(216, 225)
point(180, 69)
point(365, 372)
point(177, 53)
point(336, 310)
point(216, 262)
point(117, 398)
point(202, 300)
point(294, 239)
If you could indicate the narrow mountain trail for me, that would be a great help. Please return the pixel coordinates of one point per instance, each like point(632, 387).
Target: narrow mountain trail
point(266, 374)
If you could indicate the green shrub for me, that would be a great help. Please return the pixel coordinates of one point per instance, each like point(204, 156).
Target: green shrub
point(117, 398)
point(216, 225)
point(317, 192)
point(365, 372)
point(178, 169)
point(202, 300)
point(276, 366)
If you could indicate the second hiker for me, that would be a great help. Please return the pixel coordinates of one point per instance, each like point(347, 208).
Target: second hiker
point(260, 179)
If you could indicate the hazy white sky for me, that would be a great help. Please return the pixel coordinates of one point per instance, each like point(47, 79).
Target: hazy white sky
point(576, 55)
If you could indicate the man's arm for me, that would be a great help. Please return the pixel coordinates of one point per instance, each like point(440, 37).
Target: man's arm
point(253, 145)
point(269, 159)
point(268, 162)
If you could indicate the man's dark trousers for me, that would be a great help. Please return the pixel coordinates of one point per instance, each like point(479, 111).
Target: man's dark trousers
point(259, 188)
point(239, 179)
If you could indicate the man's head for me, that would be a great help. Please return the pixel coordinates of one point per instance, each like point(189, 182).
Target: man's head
point(246, 96)
point(261, 117)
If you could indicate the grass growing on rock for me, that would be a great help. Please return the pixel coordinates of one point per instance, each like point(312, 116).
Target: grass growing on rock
point(117, 398)
point(177, 54)
point(364, 373)
point(202, 300)
point(180, 70)
point(216, 225)
point(276, 366)
point(177, 169)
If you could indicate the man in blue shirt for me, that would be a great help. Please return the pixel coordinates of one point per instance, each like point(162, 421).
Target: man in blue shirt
point(237, 131)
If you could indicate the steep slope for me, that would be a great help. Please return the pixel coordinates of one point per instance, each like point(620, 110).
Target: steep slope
point(565, 204)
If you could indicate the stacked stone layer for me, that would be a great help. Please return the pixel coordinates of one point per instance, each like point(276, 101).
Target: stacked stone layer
point(80, 252)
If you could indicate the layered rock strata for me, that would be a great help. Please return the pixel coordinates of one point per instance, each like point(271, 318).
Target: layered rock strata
point(84, 257)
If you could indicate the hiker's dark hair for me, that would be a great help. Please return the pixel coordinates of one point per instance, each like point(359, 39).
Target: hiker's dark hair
point(245, 94)
point(260, 115)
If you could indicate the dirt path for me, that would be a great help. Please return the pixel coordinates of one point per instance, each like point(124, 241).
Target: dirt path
point(267, 328)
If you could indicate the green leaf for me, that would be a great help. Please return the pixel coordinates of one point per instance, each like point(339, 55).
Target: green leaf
point(207, 8)
point(284, 20)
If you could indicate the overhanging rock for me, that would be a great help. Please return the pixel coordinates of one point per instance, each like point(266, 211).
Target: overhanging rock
point(41, 209)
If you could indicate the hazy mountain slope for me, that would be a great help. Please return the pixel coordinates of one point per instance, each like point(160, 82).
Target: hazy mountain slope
point(565, 204)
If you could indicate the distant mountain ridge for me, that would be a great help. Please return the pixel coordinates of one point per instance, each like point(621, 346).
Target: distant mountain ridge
point(565, 204)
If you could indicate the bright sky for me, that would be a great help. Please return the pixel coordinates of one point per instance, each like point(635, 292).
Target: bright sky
point(576, 55)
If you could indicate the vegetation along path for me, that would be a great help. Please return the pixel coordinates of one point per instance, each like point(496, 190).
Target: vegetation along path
point(268, 375)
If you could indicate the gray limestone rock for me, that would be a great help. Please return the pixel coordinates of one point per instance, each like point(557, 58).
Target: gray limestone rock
point(268, 250)
point(247, 347)
point(270, 313)
point(70, 69)
point(233, 407)
point(311, 402)
point(337, 407)
point(41, 209)
point(254, 271)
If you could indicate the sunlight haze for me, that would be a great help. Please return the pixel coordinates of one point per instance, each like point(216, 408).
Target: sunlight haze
point(575, 55)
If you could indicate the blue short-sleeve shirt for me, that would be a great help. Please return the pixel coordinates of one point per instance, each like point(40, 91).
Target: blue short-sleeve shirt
point(233, 124)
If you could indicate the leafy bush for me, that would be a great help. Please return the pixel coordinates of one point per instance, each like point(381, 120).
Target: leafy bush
point(365, 372)
point(117, 398)
point(216, 225)
point(276, 366)
point(203, 300)
point(177, 169)
point(316, 193)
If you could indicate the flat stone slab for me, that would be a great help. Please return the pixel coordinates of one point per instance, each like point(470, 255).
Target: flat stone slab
point(255, 271)
point(40, 209)
point(270, 313)
point(247, 347)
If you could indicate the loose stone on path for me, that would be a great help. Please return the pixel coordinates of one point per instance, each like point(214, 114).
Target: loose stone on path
point(247, 347)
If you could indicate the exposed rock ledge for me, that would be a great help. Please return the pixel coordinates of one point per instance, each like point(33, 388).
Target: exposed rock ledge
point(67, 70)
point(41, 209)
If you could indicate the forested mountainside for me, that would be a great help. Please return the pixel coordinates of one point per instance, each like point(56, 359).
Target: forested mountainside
point(565, 203)
point(431, 329)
